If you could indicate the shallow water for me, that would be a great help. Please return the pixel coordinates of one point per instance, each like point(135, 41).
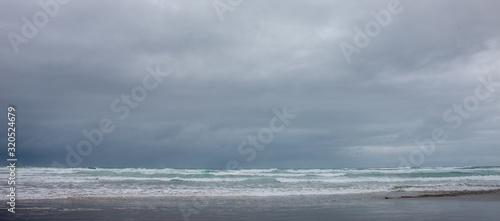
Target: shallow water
point(53, 183)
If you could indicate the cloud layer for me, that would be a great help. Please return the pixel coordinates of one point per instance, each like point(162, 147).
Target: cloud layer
point(223, 79)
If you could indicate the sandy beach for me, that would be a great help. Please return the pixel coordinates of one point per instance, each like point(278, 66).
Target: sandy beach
point(444, 206)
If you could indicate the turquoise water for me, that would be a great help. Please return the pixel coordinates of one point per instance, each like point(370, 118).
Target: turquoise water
point(45, 182)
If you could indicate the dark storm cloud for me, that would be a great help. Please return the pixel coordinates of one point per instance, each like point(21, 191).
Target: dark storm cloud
point(226, 77)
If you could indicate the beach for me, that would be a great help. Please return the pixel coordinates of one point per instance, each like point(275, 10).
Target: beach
point(448, 206)
point(427, 193)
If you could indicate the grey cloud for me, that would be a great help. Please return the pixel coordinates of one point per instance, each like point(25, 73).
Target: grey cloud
point(227, 76)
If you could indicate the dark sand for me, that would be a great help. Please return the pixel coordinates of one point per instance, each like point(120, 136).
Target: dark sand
point(442, 206)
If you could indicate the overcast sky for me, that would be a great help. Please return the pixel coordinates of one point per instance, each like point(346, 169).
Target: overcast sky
point(224, 71)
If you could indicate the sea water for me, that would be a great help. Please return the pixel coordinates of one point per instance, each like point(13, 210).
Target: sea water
point(49, 183)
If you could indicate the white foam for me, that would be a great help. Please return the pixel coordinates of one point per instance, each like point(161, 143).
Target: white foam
point(83, 182)
point(392, 180)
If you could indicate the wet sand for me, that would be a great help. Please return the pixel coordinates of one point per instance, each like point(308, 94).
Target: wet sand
point(439, 206)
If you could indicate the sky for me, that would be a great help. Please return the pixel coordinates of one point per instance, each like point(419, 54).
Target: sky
point(252, 84)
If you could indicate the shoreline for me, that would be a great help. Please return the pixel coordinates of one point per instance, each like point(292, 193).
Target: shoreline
point(378, 195)
point(443, 206)
point(450, 194)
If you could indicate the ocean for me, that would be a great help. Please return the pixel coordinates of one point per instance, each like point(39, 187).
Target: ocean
point(56, 183)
